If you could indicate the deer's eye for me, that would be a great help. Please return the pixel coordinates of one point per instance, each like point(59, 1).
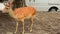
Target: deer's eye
point(6, 8)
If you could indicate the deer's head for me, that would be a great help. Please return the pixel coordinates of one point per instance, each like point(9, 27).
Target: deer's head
point(7, 6)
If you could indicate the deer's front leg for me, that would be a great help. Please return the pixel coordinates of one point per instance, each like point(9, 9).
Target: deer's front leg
point(16, 27)
point(23, 26)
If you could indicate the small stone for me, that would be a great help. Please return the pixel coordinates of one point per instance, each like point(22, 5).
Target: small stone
point(9, 33)
point(28, 33)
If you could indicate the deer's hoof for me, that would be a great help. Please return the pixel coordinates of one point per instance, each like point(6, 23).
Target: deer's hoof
point(14, 32)
point(30, 30)
point(22, 32)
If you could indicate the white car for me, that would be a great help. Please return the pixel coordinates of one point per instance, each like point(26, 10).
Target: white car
point(2, 6)
point(44, 5)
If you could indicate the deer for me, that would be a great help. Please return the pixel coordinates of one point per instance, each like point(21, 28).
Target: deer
point(20, 14)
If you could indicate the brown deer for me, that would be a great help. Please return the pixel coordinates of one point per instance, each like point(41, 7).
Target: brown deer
point(19, 14)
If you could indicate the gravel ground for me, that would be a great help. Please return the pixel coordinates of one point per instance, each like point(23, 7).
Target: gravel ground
point(44, 23)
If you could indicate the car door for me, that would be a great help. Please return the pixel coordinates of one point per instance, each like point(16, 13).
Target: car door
point(38, 4)
point(41, 5)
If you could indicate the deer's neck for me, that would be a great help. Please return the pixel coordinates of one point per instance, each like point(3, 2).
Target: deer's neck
point(11, 13)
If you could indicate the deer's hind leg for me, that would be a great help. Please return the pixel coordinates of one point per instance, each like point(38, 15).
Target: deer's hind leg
point(31, 26)
point(23, 25)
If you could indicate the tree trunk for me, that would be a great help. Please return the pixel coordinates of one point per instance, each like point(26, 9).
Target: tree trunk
point(24, 4)
point(18, 3)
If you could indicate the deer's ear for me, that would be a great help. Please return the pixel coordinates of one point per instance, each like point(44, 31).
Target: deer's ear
point(4, 2)
point(11, 1)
